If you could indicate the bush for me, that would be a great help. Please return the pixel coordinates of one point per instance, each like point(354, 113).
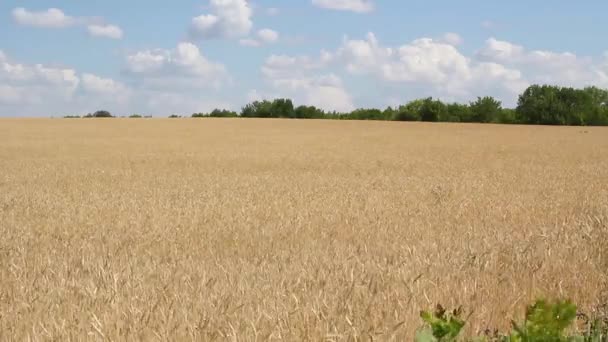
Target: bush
point(135, 116)
point(432, 110)
point(459, 112)
point(217, 113)
point(102, 114)
point(174, 116)
point(367, 114)
point(72, 117)
point(309, 112)
point(485, 109)
point(544, 322)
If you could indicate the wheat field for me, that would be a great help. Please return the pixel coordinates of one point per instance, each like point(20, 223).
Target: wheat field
point(255, 230)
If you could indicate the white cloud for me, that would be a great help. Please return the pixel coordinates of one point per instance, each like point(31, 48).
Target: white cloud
point(501, 51)
point(34, 89)
point(255, 95)
point(230, 19)
point(51, 18)
point(106, 31)
point(452, 38)
point(268, 36)
point(98, 85)
point(264, 36)
point(9, 95)
point(298, 78)
point(539, 66)
point(363, 56)
point(250, 42)
point(56, 18)
point(434, 68)
point(167, 102)
point(165, 82)
point(359, 6)
point(62, 81)
point(428, 67)
point(184, 66)
point(425, 60)
point(278, 66)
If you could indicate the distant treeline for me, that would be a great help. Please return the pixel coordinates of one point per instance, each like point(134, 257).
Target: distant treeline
point(545, 105)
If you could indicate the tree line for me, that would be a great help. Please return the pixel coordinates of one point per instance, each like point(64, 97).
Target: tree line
point(538, 104)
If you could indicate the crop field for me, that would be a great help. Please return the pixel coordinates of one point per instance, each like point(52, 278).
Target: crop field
point(262, 229)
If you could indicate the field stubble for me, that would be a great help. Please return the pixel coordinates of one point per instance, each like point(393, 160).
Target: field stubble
point(292, 230)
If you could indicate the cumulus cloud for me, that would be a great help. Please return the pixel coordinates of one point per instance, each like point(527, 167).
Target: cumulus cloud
point(56, 18)
point(41, 90)
point(500, 51)
point(279, 66)
point(106, 31)
point(60, 81)
point(263, 36)
point(362, 56)
point(434, 66)
point(163, 103)
point(299, 78)
point(540, 66)
point(452, 38)
point(250, 42)
point(9, 95)
point(51, 18)
point(184, 66)
point(98, 85)
point(268, 35)
point(426, 66)
point(358, 6)
point(229, 19)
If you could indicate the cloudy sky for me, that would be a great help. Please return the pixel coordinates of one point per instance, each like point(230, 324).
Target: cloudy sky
point(159, 57)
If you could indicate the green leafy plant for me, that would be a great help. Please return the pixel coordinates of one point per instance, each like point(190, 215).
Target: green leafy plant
point(441, 325)
point(545, 322)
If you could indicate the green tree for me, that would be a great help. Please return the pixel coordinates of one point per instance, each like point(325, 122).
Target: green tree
point(534, 105)
point(102, 114)
point(389, 113)
point(222, 113)
point(598, 114)
point(257, 109)
point(485, 109)
point(309, 112)
point(506, 116)
point(282, 108)
point(458, 112)
point(409, 112)
point(432, 110)
point(366, 114)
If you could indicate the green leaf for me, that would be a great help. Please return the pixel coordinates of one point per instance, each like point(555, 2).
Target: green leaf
point(425, 335)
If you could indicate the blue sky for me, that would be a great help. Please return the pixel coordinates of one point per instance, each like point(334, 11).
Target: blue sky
point(156, 57)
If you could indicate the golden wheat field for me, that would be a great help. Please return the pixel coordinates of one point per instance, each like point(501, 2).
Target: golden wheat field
point(255, 230)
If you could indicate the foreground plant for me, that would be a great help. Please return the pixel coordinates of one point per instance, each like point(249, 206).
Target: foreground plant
point(442, 326)
point(544, 322)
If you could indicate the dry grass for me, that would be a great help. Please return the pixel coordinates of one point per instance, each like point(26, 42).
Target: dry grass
point(291, 230)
